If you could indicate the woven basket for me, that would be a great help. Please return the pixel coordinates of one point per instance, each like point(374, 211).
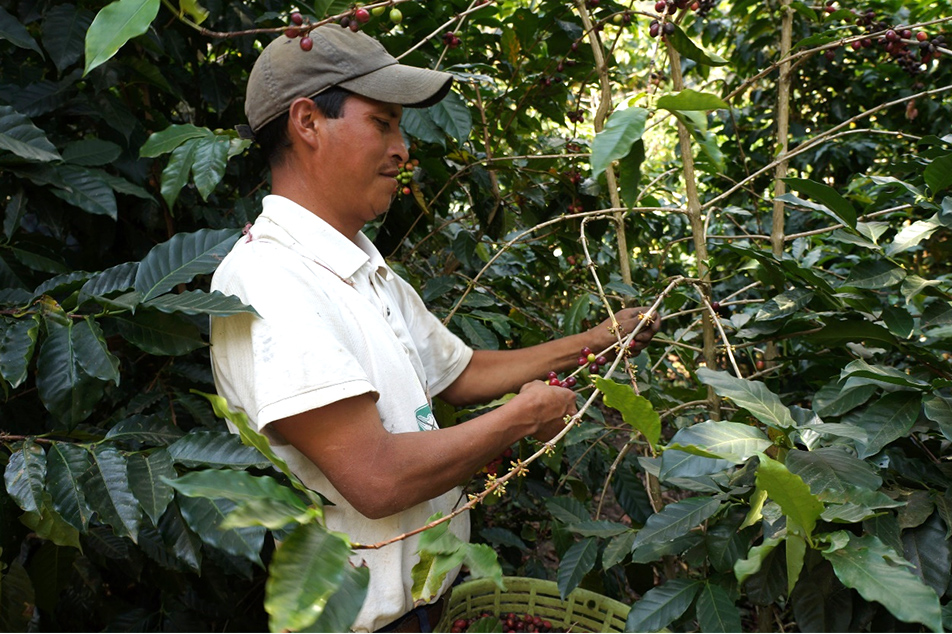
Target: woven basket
point(581, 611)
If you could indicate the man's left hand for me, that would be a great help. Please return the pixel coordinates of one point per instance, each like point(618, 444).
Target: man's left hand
point(627, 320)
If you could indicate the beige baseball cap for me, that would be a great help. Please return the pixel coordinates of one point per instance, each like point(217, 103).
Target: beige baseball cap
point(340, 57)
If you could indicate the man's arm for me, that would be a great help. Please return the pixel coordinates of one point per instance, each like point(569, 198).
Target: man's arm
point(381, 473)
point(492, 373)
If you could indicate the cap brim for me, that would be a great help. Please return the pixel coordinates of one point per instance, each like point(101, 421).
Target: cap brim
point(404, 85)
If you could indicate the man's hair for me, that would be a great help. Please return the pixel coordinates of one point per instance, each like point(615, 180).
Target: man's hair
point(273, 137)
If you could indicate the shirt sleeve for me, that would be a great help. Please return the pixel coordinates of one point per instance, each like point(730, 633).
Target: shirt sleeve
point(296, 354)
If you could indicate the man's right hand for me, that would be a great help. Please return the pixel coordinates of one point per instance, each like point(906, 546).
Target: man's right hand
point(547, 406)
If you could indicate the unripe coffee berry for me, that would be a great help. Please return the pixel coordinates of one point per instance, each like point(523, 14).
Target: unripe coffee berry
point(396, 16)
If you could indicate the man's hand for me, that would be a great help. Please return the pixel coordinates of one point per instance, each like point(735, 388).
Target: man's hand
point(547, 406)
point(628, 319)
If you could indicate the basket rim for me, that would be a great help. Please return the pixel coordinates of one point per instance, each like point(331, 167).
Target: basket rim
point(591, 610)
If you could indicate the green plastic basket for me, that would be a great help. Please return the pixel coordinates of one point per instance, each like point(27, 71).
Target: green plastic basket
point(581, 611)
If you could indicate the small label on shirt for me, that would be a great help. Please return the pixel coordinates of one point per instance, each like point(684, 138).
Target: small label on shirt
point(425, 418)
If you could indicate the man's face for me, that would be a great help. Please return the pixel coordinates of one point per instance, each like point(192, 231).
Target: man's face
point(361, 154)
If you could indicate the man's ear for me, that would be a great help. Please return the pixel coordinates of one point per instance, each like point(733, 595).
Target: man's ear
point(304, 120)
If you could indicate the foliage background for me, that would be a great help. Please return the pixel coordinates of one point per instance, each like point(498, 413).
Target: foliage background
point(795, 478)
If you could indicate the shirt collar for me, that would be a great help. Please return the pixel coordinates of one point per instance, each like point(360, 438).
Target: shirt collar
point(313, 237)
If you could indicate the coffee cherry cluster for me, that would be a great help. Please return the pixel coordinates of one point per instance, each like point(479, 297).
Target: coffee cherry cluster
point(911, 50)
point(664, 26)
point(451, 40)
point(405, 177)
point(594, 363)
point(358, 18)
point(510, 622)
point(568, 382)
point(656, 28)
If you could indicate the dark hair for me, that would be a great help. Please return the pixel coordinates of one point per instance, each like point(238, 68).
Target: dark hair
point(273, 137)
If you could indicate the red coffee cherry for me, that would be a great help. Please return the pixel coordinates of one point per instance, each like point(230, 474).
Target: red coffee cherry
point(306, 43)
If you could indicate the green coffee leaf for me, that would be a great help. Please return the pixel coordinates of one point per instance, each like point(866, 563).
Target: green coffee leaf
point(148, 479)
point(66, 464)
point(622, 130)
point(635, 409)
point(686, 47)
point(676, 520)
point(198, 302)
point(753, 396)
point(577, 562)
point(116, 24)
point(789, 491)
point(181, 258)
point(106, 485)
point(735, 442)
point(205, 518)
point(67, 391)
point(17, 342)
point(886, 420)
point(25, 474)
point(872, 569)
point(830, 200)
point(716, 611)
point(14, 32)
point(691, 100)
point(661, 605)
point(20, 136)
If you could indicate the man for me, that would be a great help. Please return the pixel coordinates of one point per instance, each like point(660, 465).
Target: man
point(342, 361)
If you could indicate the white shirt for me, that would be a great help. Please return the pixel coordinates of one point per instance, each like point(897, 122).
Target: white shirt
point(335, 322)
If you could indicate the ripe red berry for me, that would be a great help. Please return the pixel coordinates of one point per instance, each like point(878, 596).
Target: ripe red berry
point(570, 381)
point(593, 368)
point(291, 32)
point(586, 351)
point(922, 36)
point(552, 375)
point(362, 15)
point(668, 28)
point(297, 18)
point(555, 382)
point(600, 360)
point(306, 43)
point(582, 360)
point(660, 6)
point(406, 191)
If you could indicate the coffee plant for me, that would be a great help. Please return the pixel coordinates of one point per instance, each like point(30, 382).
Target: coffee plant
point(774, 177)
